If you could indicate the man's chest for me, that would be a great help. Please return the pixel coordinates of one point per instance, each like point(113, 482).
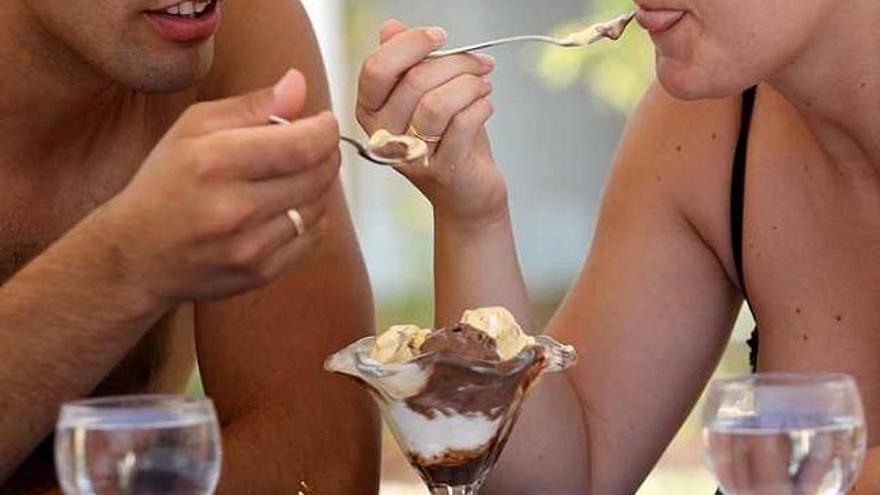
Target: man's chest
point(34, 214)
point(42, 201)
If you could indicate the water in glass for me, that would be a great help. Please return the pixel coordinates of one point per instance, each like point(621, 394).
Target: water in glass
point(146, 445)
point(785, 434)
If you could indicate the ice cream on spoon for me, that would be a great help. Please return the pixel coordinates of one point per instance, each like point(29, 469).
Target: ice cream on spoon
point(398, 147)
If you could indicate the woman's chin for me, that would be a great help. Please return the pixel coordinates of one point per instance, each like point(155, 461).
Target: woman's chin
point(687, 81)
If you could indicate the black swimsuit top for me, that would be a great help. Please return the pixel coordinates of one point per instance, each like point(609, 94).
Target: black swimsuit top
point(737, 206)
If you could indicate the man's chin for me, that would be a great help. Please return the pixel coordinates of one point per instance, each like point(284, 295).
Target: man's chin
point(169, 74)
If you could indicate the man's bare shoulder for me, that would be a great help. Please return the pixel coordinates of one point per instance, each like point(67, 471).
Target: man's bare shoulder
point(258, 41)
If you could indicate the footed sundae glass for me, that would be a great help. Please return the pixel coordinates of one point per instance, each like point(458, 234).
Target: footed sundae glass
point(452, 415)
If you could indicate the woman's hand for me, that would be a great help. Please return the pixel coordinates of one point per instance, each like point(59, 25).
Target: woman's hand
point(445, 102)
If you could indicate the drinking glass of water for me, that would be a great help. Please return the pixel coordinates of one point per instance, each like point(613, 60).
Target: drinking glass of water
point(138, 445)
point(785, 434)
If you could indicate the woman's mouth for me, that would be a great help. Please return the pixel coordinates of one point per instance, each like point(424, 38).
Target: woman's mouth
point(657, 21)
point(187, 21)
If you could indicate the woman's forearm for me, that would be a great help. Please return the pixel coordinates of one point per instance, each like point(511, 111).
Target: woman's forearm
point(476, 265)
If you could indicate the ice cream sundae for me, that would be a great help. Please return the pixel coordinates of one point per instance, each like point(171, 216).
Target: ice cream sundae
point(452, 395)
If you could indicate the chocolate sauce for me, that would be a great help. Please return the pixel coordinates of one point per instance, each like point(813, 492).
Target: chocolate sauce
point(457, 468)
point(468, 387)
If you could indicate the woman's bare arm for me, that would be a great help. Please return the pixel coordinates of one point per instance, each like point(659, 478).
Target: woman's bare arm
point(650, 313)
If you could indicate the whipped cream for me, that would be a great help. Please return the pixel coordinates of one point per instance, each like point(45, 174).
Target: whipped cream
point(450, 431)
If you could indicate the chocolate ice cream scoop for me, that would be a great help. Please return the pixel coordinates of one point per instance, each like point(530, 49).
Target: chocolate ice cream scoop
point(462, 340)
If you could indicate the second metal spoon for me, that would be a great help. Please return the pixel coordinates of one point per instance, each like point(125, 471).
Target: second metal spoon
point(611, 30)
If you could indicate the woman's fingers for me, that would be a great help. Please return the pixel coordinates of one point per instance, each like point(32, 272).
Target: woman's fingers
point(424, 79)
point(383, 69)
point(440, 106)
point(462, 132)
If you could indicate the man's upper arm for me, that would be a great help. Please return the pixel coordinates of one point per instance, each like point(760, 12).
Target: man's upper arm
point(286, 419)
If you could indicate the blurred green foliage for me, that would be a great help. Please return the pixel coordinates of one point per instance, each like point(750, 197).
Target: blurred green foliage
point(616, 73)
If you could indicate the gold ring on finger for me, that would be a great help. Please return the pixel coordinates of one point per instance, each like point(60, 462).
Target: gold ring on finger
point(298, 223)
point(414, 132)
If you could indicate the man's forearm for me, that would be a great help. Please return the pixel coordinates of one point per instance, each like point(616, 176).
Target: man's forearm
point(869, 480)
point(65, 320)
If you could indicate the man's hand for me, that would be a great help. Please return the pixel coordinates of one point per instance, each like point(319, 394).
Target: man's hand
point(207, 214)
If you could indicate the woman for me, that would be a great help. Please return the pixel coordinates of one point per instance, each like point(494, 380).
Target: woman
point(718, 192)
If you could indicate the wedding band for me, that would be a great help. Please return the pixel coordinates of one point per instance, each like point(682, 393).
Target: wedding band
point(414, 132)
point(298, 223)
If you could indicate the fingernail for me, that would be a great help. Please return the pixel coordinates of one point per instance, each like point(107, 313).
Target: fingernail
point(489, 84)
point(485, 59)
point(286, 84)
point(437, 35)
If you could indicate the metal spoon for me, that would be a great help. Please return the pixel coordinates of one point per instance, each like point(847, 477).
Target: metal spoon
point(363, 150)
point(611, 30)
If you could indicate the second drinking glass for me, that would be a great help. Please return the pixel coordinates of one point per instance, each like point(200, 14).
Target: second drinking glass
point(785, 434)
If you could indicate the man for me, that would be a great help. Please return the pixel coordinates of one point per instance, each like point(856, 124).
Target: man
point(124, 198)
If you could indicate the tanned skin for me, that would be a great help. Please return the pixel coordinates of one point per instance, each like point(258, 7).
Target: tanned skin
point(143, 225)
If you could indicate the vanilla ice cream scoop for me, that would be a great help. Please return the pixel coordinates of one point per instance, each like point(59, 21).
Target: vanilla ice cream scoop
point(399, 344)
point(502, 327)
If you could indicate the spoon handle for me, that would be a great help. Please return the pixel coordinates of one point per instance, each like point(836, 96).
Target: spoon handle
point(361, 149)
point(502, 41)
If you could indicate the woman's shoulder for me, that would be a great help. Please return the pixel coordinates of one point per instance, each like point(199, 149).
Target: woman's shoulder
point(680, 133)
point(688, 145)
point(678, 155)
point(702, 133)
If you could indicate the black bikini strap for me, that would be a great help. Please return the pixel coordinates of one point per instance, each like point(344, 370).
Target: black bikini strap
point(738, 184)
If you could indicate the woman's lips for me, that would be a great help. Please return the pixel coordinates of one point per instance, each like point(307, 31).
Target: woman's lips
point(658, 21)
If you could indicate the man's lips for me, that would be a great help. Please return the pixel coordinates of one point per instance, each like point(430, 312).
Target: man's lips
point(186, 29)
point(657, 21)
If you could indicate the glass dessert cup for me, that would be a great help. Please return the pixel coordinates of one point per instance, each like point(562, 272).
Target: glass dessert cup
point(452, 415)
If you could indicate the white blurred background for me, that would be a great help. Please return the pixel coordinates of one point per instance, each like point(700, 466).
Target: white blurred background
point(559, 116)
